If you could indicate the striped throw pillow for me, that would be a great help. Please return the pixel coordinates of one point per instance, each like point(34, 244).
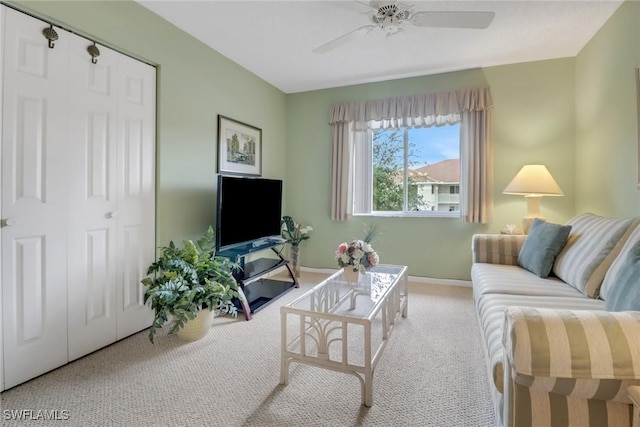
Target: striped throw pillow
point(612, 273)
point(593, 244)
point(624, 294)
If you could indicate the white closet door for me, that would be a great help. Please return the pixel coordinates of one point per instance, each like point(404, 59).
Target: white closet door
point(78, 197)
point(93, 208)
point(34, 199)
point(2, 26)
point(136, 190)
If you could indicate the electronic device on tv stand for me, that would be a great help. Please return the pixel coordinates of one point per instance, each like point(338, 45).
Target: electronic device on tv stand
point(249, 211)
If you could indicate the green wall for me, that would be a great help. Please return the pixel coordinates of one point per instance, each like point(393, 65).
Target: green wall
point(194, 85)
point(533, 123)
point(607, 117)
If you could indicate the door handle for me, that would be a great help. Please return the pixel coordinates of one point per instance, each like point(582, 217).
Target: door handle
point(10, 222)
point(113, 214)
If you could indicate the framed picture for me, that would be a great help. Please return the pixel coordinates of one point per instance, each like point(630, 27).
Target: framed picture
point(239, 147)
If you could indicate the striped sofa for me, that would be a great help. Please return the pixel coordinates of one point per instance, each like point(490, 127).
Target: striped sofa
point(554, 355)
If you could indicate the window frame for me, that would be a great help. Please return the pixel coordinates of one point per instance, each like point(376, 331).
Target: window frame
point(367, 150)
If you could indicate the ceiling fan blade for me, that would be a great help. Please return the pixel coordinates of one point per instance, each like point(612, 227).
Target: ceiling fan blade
point(353, 6)
point(377, 4)
point(343, 39)
point(477, 20)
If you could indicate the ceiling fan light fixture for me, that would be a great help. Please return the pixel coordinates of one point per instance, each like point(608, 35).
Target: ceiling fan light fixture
point(391, 21)
point(403, 15)
point(389, 14)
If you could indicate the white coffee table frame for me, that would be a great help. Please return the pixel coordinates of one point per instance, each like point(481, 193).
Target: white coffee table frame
point(318, 327)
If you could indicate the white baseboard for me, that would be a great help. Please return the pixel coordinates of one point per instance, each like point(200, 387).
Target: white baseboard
point(440, 282)
point(414, 279)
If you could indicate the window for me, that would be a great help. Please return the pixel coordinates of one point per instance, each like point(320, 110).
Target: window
point(353, 125)
point(408, 171)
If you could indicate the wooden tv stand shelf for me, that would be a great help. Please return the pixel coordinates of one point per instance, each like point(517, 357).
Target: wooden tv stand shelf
point(255, 290)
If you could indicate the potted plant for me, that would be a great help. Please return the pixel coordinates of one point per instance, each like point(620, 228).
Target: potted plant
point(294, 234)
point(190, 282)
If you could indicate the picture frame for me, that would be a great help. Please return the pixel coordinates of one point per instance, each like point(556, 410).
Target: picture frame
point(239, 147)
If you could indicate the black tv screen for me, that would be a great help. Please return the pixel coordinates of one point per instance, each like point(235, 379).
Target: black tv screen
point(248, 210)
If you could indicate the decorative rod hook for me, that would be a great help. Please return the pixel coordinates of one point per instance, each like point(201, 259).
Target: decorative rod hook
point(94, 52)
point(51, 35)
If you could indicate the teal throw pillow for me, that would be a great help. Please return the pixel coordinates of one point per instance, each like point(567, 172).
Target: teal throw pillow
point(624, 291)
point(544, 242)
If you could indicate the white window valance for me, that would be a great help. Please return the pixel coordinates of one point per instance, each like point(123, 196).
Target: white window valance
point(432, 109)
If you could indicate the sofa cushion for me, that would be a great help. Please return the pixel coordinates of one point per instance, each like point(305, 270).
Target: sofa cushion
point(611, 276)
point(514, 280)
point(544, 242)
point(593, 244)
point(624, 294)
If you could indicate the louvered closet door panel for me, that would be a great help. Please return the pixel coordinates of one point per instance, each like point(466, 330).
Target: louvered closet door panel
point(136, 190)
point(93, 209)
point(34, 199)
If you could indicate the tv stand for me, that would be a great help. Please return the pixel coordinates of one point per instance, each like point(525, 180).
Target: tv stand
point(256, 290)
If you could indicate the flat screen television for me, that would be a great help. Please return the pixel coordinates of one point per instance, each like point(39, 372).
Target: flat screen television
point(249, 210)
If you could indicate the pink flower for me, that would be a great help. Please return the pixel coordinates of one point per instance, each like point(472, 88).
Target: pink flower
point(358, 254)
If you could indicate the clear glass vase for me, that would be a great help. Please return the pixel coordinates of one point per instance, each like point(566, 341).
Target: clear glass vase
point(294, 258)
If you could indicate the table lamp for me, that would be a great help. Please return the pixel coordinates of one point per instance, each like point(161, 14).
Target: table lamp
point(533, 182)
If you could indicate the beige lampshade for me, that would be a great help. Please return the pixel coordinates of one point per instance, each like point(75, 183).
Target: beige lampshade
point(533, 180)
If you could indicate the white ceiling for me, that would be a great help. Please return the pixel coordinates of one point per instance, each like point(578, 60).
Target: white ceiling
point(275, 39)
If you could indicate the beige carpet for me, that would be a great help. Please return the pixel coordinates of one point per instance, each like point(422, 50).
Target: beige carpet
point(431, 374)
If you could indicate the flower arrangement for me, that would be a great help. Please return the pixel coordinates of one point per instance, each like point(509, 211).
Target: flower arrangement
point(358, 254)
point(292, 232)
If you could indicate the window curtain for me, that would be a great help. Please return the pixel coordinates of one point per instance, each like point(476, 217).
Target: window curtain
point(342, 177)
point(471, 107)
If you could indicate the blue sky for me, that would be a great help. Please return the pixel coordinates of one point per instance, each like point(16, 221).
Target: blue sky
point(435, 144)
point(432, 144)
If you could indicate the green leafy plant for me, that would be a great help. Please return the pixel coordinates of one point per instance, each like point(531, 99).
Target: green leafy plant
point(370, 232)
point(185, 280)
point(293, 232)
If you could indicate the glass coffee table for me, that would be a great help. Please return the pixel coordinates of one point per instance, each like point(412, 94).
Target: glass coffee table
point(344, 326)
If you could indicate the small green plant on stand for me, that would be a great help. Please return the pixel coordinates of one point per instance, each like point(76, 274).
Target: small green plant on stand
point(294, 234)
point(185, 280)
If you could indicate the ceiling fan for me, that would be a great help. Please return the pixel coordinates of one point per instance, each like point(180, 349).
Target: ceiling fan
point(389, 16)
